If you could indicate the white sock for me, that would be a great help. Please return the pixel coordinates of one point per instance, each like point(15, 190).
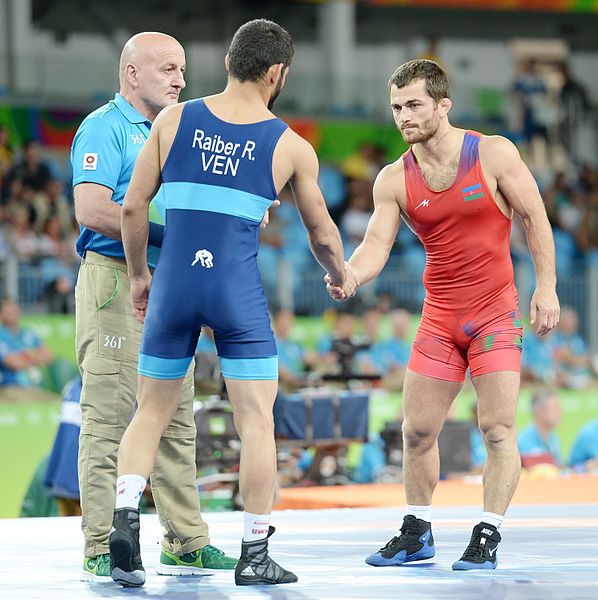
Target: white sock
point(492, 519)
point(421, 512)
point(256, 527)
point(129, 489)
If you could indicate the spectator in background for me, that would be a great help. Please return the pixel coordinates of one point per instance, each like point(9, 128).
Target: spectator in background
point(530, 91)
point(335, 349)
point(584, 453)
point(365, 163)
point(58, 262)
point(537, 361)
point(570, 352)
point(6, 153)
point(575, 105)
point(367, 361)
point(51, 202)
point(22, 354)
point(291, 354)
point(16, 199)
point(355, 219)
point(62, 478)
point(23, 240)
point(394, 353)
point(587, 235)
point(538, 442)
point(31, 169)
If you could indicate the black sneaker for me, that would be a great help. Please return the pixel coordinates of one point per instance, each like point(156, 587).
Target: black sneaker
point(255, 567)
point(416, 542)
point(481, 552)
point(125, 553)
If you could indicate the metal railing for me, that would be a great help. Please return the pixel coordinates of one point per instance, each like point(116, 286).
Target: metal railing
point(305, 292)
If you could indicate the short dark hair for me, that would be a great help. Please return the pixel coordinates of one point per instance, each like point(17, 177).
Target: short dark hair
point(437, 83)
point(256, 46)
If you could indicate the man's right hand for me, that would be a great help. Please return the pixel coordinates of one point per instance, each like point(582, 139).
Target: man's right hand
point(140, 288)
point(347, 289)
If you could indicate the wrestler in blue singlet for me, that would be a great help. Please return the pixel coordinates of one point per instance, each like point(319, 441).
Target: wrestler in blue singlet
point(217, 184)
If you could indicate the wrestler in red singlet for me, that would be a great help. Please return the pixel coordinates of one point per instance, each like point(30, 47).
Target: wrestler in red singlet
point(470, 315)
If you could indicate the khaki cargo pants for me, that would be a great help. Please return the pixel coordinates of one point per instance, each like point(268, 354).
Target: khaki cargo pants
point(108, 339)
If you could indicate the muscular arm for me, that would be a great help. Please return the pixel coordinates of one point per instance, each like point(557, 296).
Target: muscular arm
point(95, 210)
point(517, 185)
point(371, 255)
point(324, 238)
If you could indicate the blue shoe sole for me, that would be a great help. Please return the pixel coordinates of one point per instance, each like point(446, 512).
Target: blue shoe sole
point(463, 565)
point(377, 560)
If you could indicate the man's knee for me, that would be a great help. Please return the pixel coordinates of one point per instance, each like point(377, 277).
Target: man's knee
point(498, 434)
point(418, 436)
point(256, 423)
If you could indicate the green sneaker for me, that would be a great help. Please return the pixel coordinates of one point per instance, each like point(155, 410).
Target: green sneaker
point(198, 562)
point(96, 569)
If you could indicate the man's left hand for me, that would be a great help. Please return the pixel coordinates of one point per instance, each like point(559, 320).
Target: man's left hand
point(544, 310)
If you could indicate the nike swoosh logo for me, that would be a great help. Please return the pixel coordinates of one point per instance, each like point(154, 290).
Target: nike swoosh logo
point(492, 551)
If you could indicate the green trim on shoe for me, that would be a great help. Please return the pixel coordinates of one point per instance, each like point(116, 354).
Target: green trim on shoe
point(96, 569)
point(198, 562)
point(214, 558)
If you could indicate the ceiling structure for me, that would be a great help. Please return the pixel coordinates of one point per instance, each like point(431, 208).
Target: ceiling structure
point(217, 20)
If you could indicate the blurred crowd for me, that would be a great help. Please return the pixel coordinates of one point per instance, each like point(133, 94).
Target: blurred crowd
point(37, 224)
point(551, 110)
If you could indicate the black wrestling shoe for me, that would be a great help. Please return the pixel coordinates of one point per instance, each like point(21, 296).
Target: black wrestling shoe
point(125, 553)
point(416, 542)
point(255, 567)
point(481, 552)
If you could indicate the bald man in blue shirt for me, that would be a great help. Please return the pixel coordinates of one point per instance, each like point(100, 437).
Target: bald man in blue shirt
point(104, 152)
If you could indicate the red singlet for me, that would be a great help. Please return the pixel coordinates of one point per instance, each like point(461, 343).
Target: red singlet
point(470, 315)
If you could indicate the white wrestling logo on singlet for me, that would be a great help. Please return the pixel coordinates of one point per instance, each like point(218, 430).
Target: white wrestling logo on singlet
point(205, 258)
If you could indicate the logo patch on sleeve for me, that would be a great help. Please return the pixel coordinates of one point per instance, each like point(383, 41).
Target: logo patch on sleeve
point(90, 161)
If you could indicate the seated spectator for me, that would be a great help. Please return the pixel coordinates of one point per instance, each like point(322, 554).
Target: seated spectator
point(62, 478)
point(394, 352)
point(537, 361)
point(367, 360)
point(57, 266)
point(336, 351)
point(51, 202)
point(356, 217)
point(371, 461)
point(31, 169)
point(21, 356)
point(570, 352)
point(24, 241)
point(538, 442)
point(584, 454)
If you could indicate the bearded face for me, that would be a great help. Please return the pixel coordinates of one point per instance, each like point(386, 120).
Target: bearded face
point(416, 114)
point(416, 133)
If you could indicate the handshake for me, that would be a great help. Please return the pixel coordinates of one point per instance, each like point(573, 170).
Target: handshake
point(346, 289)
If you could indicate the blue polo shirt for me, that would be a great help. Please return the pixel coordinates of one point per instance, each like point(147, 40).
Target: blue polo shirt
point(531, 443)
point(104, 151)
point(585, 446)
point(12, 343)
